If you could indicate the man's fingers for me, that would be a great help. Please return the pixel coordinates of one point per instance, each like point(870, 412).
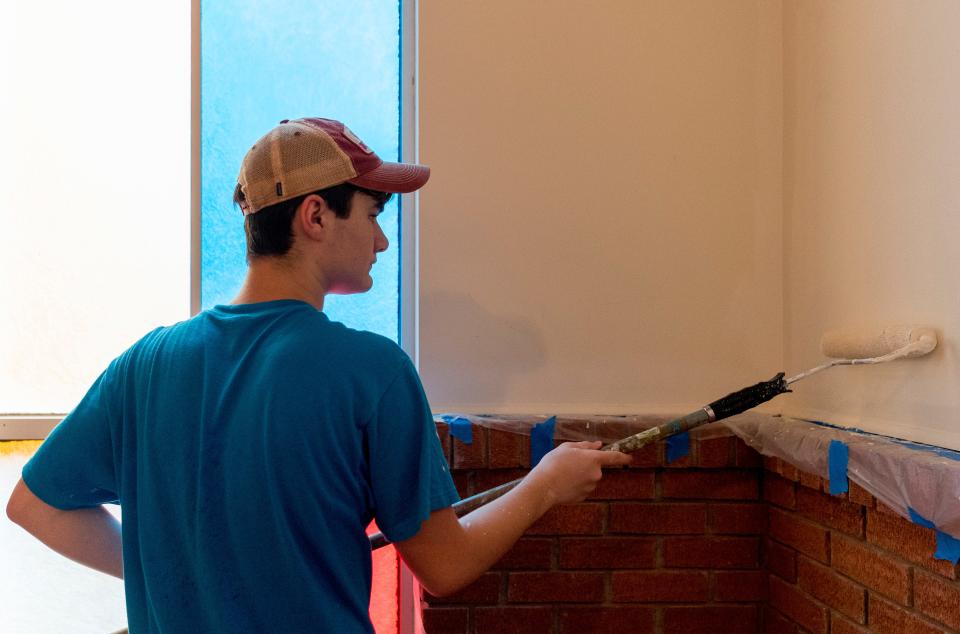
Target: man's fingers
point(585, 444)
point(614, 458)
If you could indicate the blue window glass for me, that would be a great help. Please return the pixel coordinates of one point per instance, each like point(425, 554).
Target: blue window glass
point(266, 61)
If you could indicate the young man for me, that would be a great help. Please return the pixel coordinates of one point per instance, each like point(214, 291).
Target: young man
point(250, 446)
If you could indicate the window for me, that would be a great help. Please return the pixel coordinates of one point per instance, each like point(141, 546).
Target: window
point(95, 190)
point(301, 58)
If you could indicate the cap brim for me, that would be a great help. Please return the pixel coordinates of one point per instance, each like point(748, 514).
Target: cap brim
point(394, 178)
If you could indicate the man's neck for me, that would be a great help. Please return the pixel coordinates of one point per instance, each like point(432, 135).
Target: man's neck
point(270, 279)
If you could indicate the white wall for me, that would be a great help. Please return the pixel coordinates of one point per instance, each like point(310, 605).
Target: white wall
point(872, 204)
point(602, 230)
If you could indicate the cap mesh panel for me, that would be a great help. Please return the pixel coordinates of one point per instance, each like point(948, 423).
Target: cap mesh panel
point(309, 160)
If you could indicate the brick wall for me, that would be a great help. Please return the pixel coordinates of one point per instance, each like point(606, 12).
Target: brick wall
point(847, 564)
point(719, 541)
point(655, 548)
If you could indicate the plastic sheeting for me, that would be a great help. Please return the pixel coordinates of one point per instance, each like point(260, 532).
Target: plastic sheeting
point(574, 428)
point(920, 482)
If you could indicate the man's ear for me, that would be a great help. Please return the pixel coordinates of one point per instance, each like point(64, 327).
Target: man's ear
point(314, 217)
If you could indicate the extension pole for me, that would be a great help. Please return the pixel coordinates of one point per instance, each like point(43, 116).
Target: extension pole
point(729, 405)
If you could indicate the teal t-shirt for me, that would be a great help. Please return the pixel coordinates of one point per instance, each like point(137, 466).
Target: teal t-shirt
point(249, 447)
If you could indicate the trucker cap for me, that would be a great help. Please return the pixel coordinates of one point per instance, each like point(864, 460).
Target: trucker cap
point(300, 156)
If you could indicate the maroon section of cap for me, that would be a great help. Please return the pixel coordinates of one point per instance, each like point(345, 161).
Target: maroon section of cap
point(372, 172)
point(362, 157)
point(397, 178)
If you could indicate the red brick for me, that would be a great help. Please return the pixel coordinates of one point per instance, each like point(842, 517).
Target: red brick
point(771, 464)
point(859, 495)
point(746, 457)
point(886, 618)
point(911, 541)
point(668, 519)
point(607, 620)
point(527, 554)
point(808, 538)
point(571, 427)
point(886, 510)
point(486, 479)
point(788, 471)
point(810, 480)
point(831, 512)
point(445, 620)
point(513, 620)
point(719, 552)
point(938, 599)
point(607, 552)
point(781, 560)
point(779, 491)
point(715, 452)
point(840, 625)
point(626, 484)
point(716, 485)
point(486, 589)
point(570, 519)
point(461, 480)
point(474, 455)
point(776, 623)
point(727, 619)
point(797, 606)
point(508, 450)
point(659, 586)
point(738, 519)
point(555, 587)
point(833, 589)
point(443, 435)
point(740, 585)
point(873, 568)
point(647, 457)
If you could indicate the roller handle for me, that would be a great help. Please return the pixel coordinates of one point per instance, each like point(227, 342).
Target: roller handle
point(626, 445)
point(730, 405)
point(748, 398)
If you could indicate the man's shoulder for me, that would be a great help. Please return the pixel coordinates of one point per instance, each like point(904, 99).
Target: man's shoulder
point(365, 347)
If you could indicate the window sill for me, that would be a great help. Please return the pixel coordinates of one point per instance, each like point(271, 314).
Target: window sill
point(35, 427)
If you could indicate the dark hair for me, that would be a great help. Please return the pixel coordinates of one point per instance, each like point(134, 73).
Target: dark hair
point(269, 230)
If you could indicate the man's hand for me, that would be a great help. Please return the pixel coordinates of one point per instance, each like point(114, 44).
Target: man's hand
point(571, 472)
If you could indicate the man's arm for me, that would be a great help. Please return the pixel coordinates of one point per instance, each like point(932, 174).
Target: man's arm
point(88, 536)
point(449, 553)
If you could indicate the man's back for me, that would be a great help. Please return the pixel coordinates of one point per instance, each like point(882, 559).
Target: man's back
point(248, 445)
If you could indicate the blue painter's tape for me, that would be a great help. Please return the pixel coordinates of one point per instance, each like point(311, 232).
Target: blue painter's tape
point(916, 518)
point(460, 428)
point(541, 439)
point(678, 446)
point(948, 548)
point(838, 457)
point(940, 451)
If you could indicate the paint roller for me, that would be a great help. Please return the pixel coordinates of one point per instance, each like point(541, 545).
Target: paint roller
point(855, 346)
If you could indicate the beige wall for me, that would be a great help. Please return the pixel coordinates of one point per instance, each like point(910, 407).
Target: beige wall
point(602, 231)
point(872, 204)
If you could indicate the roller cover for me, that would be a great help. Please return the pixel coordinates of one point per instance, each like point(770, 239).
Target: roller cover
point(866, 343)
